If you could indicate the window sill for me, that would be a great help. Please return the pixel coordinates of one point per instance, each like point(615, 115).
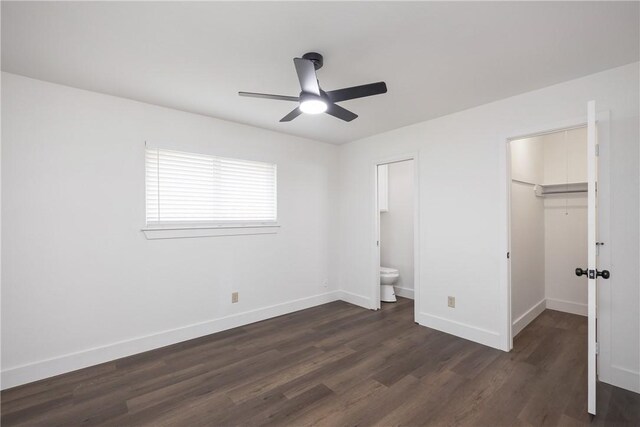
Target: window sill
point(155, 233)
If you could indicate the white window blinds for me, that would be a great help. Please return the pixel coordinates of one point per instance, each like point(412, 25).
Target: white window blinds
point(188, 188)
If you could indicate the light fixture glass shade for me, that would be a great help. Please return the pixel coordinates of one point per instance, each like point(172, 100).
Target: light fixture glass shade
point(313, 106)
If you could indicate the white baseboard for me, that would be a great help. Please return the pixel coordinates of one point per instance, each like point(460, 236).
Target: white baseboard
point(521, 322)
point(462, 330)
point(623, 378)
point(70, 362)
point(404, 292)
point(355, 299)
point(567, 306)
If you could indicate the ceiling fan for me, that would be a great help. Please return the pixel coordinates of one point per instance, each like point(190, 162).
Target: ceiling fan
point(314, 100)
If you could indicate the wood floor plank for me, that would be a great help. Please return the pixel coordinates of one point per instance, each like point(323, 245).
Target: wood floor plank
point(345, 405)
point(420, 407)
point(254, 388)
point(335, 365)
point(286, 410)
point(381, 404)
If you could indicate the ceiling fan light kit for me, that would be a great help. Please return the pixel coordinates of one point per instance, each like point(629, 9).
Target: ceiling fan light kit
point(312, 105)
point(312, 99)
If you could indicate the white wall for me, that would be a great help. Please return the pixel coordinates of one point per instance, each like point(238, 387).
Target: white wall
point(396, 226)
point(81, 284)
point(565, 216)
point(527, 232)
point(463, 226)
point(565, 249)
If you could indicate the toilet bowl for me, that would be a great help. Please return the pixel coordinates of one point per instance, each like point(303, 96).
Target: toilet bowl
point(388, 276)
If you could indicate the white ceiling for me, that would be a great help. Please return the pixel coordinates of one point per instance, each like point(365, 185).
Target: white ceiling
point(436, 58)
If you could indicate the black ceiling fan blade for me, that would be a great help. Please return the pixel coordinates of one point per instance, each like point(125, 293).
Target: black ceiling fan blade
point(307, 76)
point(357, 91)
point(269, 96)
point(292, 115)
point(341, 113)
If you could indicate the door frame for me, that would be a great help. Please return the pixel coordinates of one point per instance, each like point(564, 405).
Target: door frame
point(375, 303)
point(602, 119)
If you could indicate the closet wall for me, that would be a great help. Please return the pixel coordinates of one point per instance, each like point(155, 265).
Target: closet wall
point(548, 234)
point(527, 232)
point(565, 220)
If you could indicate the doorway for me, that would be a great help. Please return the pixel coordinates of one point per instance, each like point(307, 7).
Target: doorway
point(396, 234)
point(548, 224)
point(597, 232)
point(572, 168)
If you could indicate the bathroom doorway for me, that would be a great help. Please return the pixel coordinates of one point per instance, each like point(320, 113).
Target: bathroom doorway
point(396, 233)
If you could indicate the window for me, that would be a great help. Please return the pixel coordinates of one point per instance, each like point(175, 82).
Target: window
point(195, 189)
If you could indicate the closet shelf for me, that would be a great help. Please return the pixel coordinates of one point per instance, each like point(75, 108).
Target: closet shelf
point(563, 188)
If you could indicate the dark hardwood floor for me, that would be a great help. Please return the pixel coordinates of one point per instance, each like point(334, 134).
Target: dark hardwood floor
point(335, 365)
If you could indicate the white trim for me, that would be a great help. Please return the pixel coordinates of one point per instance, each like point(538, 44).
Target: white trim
point(567, 306)
point(624, 378)
point(604, 298)
point(404, 292)
point(416, 236)
point(462, 330)
point(190, 232)
point(592, 262)
point(504, 299)
point(529, 316)
point(70, 362)
point(355, 299)
point(383, 188)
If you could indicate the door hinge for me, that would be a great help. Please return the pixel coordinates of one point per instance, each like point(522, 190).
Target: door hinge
point(508, 255)
point(377, 242)
point(597, 149)
point(597, 348)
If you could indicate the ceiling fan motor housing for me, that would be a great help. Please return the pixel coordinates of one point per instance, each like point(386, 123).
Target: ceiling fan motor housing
point(315, 57)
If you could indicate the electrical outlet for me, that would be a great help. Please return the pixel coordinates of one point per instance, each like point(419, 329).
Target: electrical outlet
point(234, 297)
point(451, 302)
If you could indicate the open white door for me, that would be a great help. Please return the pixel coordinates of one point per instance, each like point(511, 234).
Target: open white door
point(591, 271)
point(592, 221)
point(592, 252)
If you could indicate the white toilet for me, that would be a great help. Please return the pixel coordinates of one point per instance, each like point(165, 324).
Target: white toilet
point(388, 276)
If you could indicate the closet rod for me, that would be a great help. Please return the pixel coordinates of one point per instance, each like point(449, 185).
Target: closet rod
point(544, 193)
